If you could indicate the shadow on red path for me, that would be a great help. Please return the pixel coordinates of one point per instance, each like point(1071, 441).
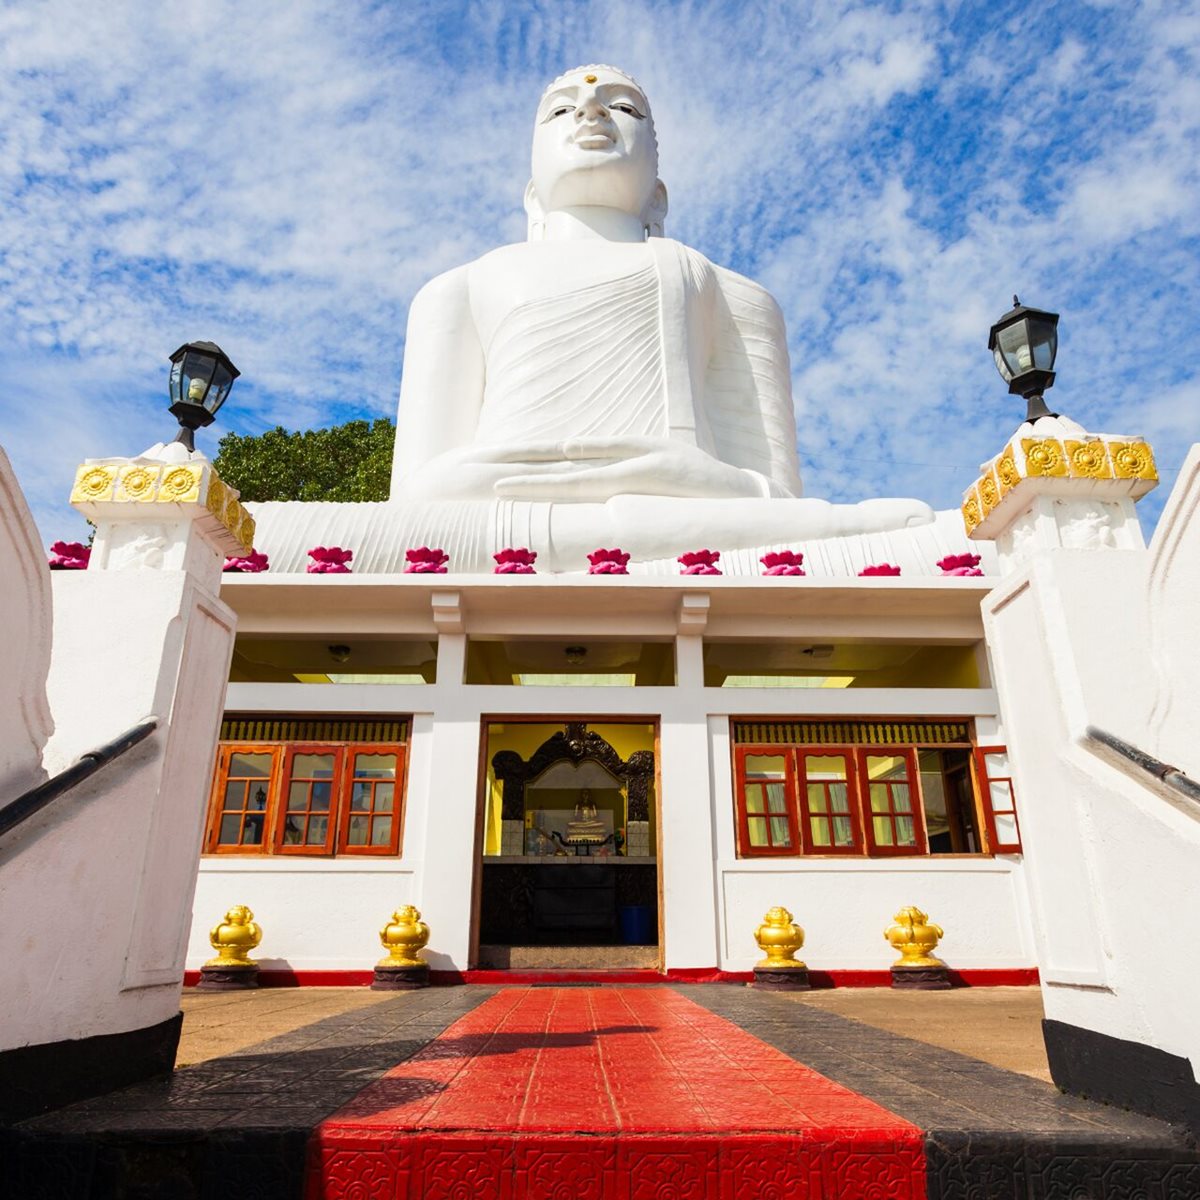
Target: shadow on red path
point(635, 1093)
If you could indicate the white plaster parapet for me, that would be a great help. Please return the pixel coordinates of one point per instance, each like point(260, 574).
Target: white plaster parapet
point(1056, 485)
point(158, 496)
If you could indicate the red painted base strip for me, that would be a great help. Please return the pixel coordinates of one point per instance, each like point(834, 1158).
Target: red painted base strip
point(271, 977)
point(630, 1093)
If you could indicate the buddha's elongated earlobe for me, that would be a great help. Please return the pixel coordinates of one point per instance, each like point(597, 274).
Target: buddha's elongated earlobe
point(655, 215)
point(536, 229)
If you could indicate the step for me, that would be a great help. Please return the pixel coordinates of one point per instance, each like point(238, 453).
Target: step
point(557, 958)
point(704, 1093)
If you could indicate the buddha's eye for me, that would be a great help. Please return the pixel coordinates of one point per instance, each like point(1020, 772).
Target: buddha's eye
point(626, 107)
point(560, 111)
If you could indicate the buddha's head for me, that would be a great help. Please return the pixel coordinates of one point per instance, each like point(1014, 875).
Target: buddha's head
point(594, 146)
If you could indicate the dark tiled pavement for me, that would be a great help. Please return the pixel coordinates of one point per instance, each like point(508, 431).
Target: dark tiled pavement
point(989, 1132)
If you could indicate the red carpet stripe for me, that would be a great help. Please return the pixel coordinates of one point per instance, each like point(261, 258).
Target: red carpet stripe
point(609, 1094)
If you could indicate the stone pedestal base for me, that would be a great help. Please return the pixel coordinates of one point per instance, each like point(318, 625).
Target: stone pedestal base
point(228, 979)
point(782, 979)
point(400, 979)
point(921, 979)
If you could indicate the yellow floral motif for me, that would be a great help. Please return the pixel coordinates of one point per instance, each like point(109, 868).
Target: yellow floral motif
point(1007, 474)
point(218, 498)
point(1044, 456)
point(989, 492)
point(1133, 460)
point(1088, 459)
point(970, 510)
point(181, 484)
point(245, 531)
point(136, 483)
point(93, 483)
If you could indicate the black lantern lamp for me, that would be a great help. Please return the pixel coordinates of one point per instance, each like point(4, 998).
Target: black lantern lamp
point(1024, 343)
point(201, 376)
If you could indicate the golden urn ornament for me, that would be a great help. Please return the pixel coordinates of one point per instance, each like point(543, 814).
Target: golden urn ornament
point(404, 937)
point(232, 939)
point(914, 936)
point(779, 937)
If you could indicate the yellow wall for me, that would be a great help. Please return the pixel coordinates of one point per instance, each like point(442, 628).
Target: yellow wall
point(525, 738)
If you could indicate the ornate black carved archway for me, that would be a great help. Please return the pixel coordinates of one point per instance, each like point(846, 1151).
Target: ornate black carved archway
point(575, 744)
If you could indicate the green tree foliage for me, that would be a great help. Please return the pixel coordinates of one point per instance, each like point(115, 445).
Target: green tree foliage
point(345, 462)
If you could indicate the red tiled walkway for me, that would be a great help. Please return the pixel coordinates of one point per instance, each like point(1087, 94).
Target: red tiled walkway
point(599, 1094)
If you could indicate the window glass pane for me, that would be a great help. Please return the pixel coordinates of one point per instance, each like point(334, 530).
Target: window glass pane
point(250, 766)
point(292, 829)
point(298, 797)
point(839, 798)
point(879, 797)
point(356, 835)
point(320, 796)
point(775, 799)
point(252, 832)
point(887, 766)
point(780, 835)
point(1006, 828)
point(312, 766)
point(758, 831)
point(381, 831)
point(258, 800)
point(375, 766)
point(384, 793)
point(771, 765)
point(318, 827)
point(754, 799)
point(996, 764)
point(901, 801)
point(883, 831)
point(905, 832)
point(820, 831)
point(1001, 795)
point(360, 797)
point(816, 798)
point(825, 766)
point(843, 831)
point(230, 828)
point(235, 796)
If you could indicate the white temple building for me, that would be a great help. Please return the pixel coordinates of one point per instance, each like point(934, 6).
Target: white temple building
point(579, 767)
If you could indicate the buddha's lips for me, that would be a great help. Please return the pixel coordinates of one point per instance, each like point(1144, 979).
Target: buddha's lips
point(593, 139)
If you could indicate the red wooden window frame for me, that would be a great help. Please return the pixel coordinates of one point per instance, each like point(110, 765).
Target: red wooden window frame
point(984, 781)
point(392, 846)
point(789, 803)
point(807, 816)
point(915, 799)
point(217, 809)
point(284, 813)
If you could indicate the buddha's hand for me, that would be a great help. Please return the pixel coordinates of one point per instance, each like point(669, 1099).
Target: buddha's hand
point(474, 472)
point(597, 469)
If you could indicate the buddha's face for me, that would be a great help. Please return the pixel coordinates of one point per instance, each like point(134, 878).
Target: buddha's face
point(594, 145)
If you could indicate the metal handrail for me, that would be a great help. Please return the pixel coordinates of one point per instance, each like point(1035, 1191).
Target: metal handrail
point(34, 800)
point(1173, 777)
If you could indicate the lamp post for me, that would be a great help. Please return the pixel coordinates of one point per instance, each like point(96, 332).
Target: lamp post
point(1024, 343)
point(201, 376)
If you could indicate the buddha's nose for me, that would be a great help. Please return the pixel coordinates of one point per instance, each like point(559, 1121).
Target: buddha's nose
point(589, 109)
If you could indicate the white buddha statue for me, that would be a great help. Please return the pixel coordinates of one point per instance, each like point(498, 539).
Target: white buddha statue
point(606, 370)
point(596, 385)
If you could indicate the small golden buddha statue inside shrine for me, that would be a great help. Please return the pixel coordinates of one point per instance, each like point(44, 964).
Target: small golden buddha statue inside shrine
point(586, 828)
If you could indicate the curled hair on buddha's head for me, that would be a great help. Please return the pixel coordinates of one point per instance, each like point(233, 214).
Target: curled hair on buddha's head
point(655, 214)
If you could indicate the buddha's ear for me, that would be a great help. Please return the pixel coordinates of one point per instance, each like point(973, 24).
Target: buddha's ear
point(536, 229)
point(655, 214)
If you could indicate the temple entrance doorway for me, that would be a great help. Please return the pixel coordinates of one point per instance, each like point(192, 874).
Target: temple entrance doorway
point(568, 874)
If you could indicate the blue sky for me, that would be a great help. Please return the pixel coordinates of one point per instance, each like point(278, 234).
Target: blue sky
point(282, 177)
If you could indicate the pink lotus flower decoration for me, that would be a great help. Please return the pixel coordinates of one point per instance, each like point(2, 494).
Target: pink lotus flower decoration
point(880, 569)
point(426, 561)
point(960, 564)
point(782, 562)
point(69, 556)
point(608, 562)
point(329, 560)
point(515, 562)
point(249, 564)
point(700, 562)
